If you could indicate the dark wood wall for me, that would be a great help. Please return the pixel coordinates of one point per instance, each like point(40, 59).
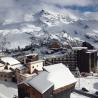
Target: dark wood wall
point(49, 93)
point(28, 91)
point(23, 91)
point(64, 94)
point(87, 61)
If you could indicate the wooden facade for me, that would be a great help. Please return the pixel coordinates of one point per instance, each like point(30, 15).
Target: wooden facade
point(48, 84)
point(31, 58)
point(25, 90)
point(64, 92)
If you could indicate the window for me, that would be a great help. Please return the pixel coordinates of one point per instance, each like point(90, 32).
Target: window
point(5, 79)
point(21, 79)
point(33, 67)
point(1, 75)
point(4, 75)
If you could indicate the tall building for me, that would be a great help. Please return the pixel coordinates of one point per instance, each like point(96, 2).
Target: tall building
point(86, 59)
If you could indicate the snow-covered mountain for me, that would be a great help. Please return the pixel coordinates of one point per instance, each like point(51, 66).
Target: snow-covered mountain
point(46, 25)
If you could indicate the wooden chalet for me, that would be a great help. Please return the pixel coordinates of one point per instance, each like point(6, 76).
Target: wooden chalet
point(56, 81)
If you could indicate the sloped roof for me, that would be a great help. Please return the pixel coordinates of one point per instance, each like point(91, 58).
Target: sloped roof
point(38, 61)
point(40, 82)
point(79, 48)
point(18, 66)
point(10, 60)
point(33, 54)
point(59, 75)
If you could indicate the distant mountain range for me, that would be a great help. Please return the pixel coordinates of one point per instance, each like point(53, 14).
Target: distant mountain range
point(47, 25)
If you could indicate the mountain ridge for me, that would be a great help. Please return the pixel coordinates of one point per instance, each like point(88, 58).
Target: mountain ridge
point(53, 25)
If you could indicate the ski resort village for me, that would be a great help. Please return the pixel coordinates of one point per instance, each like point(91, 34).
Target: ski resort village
point(58, 73)
point(48, 48)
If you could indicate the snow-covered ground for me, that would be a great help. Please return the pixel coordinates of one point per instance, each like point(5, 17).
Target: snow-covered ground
point(8, 89)
point(90, 83)
point(75, 95)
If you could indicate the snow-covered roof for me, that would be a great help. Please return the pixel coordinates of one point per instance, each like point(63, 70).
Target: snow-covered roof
point(32, 54)
point(40, 82)
point(59, 75)
point(10, 60)
point(38, 61)
point(92, 50)
point(79, 48)
point(1, 65)
point(18, 66)
point(88, 52)
point(56, 55)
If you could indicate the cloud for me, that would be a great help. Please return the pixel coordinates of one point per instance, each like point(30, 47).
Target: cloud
point(6, 3)
point(71, 2)
point(17, 10)
point(91, 15)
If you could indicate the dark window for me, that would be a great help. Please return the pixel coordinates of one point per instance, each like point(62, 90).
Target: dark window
point(5, 79)
point(4, 75)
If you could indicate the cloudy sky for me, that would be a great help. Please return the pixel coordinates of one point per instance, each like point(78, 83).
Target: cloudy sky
point(19, 10)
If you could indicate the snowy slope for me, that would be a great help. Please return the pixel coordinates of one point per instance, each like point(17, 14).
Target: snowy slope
point(47, 25)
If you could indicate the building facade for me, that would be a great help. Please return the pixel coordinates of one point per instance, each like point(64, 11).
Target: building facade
point(47, 84)
point(81, 57)
point(8, 67)
point(32, 66)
